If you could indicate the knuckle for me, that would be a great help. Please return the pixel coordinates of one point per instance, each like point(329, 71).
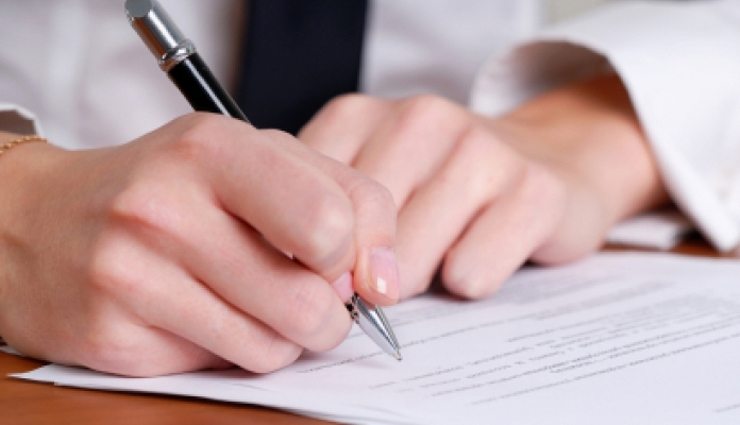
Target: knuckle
point(107, 268)
point(273, 150)
point(486, 165)
point(419, 111)
point(200, 124)
point(346, 106)
point(328, 224)
point(196, 127)
point(203, 137)
point(541, 187)
point(133, 202)
point(309, 311)
point(105, 350)
point(337, 336)
point(368, 191)
point(145, 205)
point(276, 134)
point(275, 354)
point(459, 169)
point(477, 142)
point(422, 120)
point(466, 282)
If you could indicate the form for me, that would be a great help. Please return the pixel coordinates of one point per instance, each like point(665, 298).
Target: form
point(617, 338)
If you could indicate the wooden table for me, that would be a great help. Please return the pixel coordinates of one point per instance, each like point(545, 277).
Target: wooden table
point(24, 402)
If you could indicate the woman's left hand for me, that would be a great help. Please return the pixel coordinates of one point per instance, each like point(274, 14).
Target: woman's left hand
point(480, 196)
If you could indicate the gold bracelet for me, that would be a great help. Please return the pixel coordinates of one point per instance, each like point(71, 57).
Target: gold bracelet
point(21, 140)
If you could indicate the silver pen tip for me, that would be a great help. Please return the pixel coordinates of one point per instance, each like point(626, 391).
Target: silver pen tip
point(373, 322)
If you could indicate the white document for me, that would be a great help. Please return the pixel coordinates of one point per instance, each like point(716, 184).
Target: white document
point(620, 338)
point(657, 230)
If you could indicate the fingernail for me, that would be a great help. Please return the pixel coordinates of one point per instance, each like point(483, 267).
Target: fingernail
point(383, 270)
point(343, 287)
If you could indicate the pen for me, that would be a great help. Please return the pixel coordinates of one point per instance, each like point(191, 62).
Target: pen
point(178, 57)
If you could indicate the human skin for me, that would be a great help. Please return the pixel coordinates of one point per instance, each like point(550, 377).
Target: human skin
point(170, 253)
point(479, 195)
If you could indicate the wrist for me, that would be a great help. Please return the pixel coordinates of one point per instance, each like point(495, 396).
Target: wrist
point(21, 169)
point(589, 135)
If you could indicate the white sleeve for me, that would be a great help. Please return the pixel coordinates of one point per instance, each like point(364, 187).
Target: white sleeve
point(680, 62)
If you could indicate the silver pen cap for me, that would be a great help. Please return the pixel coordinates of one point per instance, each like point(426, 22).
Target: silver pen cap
point(159, 32)
point(373, 322)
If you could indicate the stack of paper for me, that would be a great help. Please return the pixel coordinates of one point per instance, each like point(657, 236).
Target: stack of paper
point(619, 338)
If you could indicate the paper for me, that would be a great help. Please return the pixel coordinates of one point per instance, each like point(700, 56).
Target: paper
point(660, 230)
point(607, 340)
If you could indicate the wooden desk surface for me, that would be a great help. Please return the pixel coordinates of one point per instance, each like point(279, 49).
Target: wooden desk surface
point(25, 403)
point(32, 403)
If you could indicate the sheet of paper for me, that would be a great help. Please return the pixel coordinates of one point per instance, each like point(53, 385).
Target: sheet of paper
point(660, 230)
point(607, 340)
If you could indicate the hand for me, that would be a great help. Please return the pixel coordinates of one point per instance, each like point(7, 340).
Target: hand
point(480, 196)
point(169, 254)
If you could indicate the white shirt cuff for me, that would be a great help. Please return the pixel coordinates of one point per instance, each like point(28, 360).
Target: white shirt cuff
point(680, 63)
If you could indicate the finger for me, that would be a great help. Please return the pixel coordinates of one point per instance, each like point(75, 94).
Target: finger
point(141, 350)
point(296, 207)
point(251, 275)
point(234, 261)
point(163, 295)
point(341, 127)
point(479, 170)
point(408, 149)
point(114, 340)
point(376, 275)
point(504, 236)
point(201, 317)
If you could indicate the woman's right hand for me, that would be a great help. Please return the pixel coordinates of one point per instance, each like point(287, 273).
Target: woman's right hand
point(173, 252)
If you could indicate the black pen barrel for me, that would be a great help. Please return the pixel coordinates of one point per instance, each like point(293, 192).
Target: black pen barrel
point(201, 89)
